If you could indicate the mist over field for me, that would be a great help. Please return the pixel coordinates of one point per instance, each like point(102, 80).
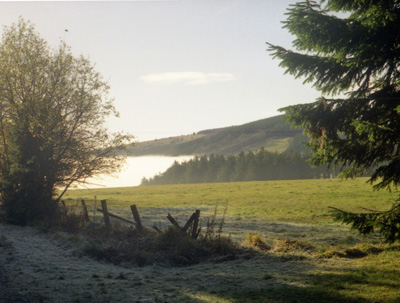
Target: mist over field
point(261, 141)
point(135, 169)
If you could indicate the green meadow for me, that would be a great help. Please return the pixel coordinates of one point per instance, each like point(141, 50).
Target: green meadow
point(312, 258)
point(299, 201)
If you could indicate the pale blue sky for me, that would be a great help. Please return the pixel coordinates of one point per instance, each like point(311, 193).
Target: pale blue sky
point(176, 67)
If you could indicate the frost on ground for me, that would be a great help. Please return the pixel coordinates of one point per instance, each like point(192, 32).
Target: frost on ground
point(38, 267)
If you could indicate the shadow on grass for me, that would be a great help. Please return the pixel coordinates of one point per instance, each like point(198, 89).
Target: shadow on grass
point(290, 282)
point(283, 293)
point(237, 227)
point(279, 294)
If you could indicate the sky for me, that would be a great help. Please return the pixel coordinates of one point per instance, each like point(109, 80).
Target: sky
point(176, 67)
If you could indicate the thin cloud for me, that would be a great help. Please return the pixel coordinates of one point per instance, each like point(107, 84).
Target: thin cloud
point(187, 78)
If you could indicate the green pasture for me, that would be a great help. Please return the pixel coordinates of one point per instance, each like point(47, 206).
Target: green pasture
point(276, 209)
point(342, 266)
point(298, 201)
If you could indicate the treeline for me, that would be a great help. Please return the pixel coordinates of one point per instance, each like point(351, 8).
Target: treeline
point(252, 166)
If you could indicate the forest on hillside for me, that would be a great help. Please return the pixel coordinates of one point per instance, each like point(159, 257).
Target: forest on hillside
point(274, 134)
point(251, 166)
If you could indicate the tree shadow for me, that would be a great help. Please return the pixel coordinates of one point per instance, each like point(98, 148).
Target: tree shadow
point(287, 282)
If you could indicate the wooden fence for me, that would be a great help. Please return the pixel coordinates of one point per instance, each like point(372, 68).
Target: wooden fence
point(191, 226)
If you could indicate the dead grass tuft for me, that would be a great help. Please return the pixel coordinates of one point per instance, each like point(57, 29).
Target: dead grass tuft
point(255, 240)
point(292, 246)
point(171, 247)
point(358, 251)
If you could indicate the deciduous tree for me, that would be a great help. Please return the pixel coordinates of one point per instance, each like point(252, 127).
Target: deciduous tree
point(53, 107)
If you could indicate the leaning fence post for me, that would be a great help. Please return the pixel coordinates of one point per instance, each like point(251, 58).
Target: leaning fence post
point(173, 221)
point(85, 211)
point(187, 225)
point(136, 216)
point(195, 234)
point(156, 228)
point(105, 214)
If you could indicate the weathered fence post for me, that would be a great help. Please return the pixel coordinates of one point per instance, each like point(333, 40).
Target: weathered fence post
point(187, 225)
point(105, 214)
point(136, 216)
point(173, 221)
point(156, 228)
point(85, 211)
point(195, 233)
point(118, 217)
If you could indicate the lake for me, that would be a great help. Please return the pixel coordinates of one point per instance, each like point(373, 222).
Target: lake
point(135, 169)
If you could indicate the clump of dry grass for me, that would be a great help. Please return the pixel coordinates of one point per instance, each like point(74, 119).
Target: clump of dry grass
point(255, 240)
point(171, 247)
point(358, 251)
point(292, 246)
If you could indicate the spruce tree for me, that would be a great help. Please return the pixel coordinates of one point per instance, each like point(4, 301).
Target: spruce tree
point(350, 51)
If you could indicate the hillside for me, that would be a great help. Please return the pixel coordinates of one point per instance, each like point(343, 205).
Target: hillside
point(274, 134)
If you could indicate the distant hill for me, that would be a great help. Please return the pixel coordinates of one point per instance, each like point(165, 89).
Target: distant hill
point(274, 134)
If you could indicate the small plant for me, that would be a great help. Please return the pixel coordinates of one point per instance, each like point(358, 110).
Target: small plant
point(179, 248)
point(210, 232)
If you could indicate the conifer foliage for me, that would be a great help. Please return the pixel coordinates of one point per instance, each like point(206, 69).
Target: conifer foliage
point(354, 61)
point(251, 166)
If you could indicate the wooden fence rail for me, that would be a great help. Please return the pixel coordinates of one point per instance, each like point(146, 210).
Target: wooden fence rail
point(117, 217)
point(193, 220)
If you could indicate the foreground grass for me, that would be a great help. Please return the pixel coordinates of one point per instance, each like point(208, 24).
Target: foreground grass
point(318, 267)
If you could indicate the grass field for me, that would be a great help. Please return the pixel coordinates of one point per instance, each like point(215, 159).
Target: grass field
point(313, 259)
